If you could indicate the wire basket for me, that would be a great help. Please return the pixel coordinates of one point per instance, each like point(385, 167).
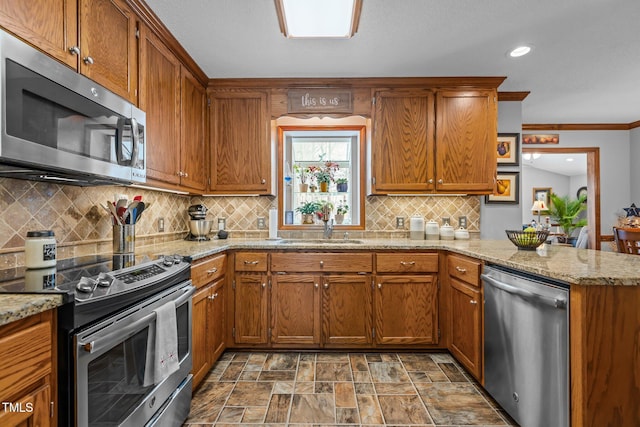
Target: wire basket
point(527, 240)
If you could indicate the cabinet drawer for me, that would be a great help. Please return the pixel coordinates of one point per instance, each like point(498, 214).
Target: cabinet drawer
point(407, 262)
point(207, 270)
point(465, 269)
point(329, 262)
point(251, 261)
point(20, 371)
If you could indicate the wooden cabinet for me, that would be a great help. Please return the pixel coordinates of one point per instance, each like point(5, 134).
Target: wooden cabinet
point(208, 315)
point(295, 309)
point(175, 104)
point(406, 299)
point(50, 25)
point(108, 45)
point(406, 158)
point(466, 132)
point(250, 299)
point(28, 383)
point(241, 153)
point(347, 314)
point(402, 143)
point(466, 312)
point(95, 37)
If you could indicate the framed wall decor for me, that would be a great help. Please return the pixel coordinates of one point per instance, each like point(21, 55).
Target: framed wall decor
point(507, 149)
point(543, 194)
point(530, 138)
point(506, 189)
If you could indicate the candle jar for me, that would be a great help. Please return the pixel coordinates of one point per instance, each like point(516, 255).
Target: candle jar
point(40, 249)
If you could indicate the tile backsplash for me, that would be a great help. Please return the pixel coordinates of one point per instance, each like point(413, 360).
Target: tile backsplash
point(82, 226)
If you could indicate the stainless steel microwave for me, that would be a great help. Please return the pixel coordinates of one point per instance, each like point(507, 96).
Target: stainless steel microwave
point(58, 125)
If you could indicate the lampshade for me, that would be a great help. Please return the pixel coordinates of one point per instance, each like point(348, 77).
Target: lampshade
point(538, 206)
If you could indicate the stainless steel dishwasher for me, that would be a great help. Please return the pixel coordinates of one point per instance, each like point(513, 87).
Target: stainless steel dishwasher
point(526, 346)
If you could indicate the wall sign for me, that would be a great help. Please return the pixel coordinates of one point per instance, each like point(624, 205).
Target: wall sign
point(319, 100)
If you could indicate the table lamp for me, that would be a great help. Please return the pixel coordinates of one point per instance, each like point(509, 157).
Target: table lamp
point(539, 206)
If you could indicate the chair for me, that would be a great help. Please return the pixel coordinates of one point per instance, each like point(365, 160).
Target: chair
point(627, 240)
point(583, 238)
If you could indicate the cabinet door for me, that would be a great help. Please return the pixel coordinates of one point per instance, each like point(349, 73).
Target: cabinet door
point(466, 141)
point(250, 309)
point(160, 99)
point(108, 45)
point(466, 326)
point(34, 410)
point(199, 346)
point(406, 309)
point(49, 25)
point(295, 309)
point(347, 310)
point(193, 153)
point(402, 141)
point(240, 142)
point(217, 320)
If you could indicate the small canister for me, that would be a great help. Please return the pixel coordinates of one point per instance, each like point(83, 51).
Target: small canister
point(446, 232)
point(40, 249)
point(432, 230)
point(416, 228)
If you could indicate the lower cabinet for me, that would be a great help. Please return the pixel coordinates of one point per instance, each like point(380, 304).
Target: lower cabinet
point(347, 310)
point(295, 311)
point(466, 327)
point(250, 308)
point(406, 309)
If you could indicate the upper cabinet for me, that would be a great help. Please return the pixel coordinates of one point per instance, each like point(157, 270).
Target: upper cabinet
point(241, 151)
point(95, 37)
point(424, 146)
point(175, 104)
point(466, 132)
point(402, 141)
point(50, 25)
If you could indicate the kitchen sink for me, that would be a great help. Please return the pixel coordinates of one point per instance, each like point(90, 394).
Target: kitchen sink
point(321, 241)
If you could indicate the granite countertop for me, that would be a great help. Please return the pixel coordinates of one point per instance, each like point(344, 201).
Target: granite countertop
point(575, 266)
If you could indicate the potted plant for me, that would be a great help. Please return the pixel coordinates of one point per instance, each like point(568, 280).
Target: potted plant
point(342, 185)
point(565, 210)
point(308, 210)
point(303, 176)
point(324, 174)
point(342, 209)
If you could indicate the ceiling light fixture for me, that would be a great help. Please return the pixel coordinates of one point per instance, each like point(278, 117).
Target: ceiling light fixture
point(570, 159)
point(318, 18)
point(520, 51)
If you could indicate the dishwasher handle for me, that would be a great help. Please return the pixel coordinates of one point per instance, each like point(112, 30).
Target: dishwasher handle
point(555, 302)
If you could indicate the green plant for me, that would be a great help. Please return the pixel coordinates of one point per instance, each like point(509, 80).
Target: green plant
point(343, 208)
point(303, 173)
point(308, 208)
point(342, 181)
point(565, 211)
point(322, 176)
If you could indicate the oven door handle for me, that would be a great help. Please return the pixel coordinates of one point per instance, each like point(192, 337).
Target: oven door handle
point(109, 340)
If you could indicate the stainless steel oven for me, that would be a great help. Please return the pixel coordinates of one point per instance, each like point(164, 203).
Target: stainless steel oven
point(112, 360)
point(59, 125)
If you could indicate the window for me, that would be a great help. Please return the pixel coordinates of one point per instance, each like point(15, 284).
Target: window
point(321, 167)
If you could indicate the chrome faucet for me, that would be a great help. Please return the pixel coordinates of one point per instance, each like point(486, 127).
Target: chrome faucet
point(328, 224)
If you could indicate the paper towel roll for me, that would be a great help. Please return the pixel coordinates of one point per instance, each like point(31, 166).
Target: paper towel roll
point(273, 223)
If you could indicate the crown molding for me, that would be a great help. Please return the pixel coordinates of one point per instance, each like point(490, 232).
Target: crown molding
point(579, 126)
point(512, 96)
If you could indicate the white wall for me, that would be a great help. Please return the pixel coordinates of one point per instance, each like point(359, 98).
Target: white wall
point(635, 160)
point(495, 218)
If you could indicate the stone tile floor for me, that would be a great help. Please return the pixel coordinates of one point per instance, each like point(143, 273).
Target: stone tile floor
point(342, 389)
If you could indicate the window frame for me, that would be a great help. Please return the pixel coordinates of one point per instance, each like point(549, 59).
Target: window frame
point(361, 144)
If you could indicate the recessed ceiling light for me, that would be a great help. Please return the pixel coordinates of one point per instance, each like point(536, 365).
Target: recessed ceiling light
point(318, 18)
point(570, 159)
point(520, 51)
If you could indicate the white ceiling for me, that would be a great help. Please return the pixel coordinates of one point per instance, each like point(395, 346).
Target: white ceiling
point(584, 68)
point(558, 163)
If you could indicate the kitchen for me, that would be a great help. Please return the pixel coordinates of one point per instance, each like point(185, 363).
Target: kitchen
point(83, 228)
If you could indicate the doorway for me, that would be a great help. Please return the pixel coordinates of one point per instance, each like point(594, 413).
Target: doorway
point(593, 185)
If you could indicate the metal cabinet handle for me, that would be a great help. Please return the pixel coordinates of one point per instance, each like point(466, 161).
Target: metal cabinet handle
point(184, 174)
point(430, 181)
point(87, 60)
point(460, 269)
point(211, 297)
point(326, 286)
point(213, 270)
point(74, 50)
point(251, 262)
point(316, 286)
point(264, 285)
point(440, 181)
point(263, 181)
point(407, 262)
point(321, 263)
point(379, 285)
point(473, 301)
point(215, 295)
